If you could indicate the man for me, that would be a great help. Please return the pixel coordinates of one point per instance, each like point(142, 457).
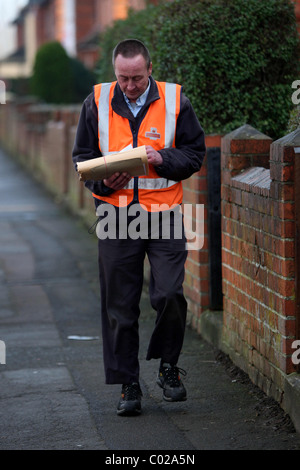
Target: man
point(136, 110)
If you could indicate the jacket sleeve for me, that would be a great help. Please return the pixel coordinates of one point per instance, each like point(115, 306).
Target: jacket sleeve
point(86, 143)
point(181, 162)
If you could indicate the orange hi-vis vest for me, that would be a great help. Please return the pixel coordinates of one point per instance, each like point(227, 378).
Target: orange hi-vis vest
point(157, 129)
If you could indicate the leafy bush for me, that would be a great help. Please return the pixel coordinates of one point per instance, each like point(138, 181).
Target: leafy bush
point(235, 58)
point(57, 78)
point(294, 121)
point(83, 80)
point(52, 76)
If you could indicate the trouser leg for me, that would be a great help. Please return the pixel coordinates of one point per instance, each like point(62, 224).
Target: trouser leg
point(121, 281)
point(167, 259)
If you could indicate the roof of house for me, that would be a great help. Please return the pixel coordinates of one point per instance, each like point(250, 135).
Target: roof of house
point(17, 56)
point(23, 10)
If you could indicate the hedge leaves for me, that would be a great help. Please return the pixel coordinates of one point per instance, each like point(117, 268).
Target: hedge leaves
point(236, 59)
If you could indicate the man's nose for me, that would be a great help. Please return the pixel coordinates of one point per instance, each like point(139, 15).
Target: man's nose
point(131, 85)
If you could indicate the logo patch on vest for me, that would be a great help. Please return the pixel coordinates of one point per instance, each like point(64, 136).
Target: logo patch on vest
point(153, 134)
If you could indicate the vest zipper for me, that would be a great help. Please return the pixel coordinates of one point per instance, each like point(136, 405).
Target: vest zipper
point(134, 130)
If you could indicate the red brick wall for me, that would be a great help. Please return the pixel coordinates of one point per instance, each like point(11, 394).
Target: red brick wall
point(85, 18)
point(41, 137)
point(20, 35)
point(258, 255)
point(46, 23)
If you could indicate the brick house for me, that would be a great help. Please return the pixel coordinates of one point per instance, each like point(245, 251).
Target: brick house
point(74, 23)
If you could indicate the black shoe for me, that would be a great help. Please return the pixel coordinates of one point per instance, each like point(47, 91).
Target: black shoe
point(169, 380)
point(130, 401)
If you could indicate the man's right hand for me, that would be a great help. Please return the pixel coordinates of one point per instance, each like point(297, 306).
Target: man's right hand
point(117, 181)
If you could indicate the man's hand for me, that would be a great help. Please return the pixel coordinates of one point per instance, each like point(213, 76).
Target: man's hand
point(154, 157)
point(117, 181)
point(120, 180)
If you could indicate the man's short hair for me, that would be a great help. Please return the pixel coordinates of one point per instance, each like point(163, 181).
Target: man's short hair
point(131, 48)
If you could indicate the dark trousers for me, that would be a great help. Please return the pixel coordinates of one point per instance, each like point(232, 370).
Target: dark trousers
point(121, 269)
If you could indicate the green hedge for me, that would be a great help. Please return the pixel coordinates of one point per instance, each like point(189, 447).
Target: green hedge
point(236, 59)
point(58, 78)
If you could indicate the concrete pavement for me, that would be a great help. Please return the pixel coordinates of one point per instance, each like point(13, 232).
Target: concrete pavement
point(52, 391)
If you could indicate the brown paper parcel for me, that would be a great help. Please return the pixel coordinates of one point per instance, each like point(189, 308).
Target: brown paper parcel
point(134, 162)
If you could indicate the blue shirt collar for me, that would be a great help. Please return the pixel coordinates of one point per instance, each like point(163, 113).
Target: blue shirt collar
point(135, 107)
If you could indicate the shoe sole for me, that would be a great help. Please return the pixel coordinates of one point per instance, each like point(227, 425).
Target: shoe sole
point(169, 399)
point(128, 412)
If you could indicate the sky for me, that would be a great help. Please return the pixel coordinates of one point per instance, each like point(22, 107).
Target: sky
point(8, 12)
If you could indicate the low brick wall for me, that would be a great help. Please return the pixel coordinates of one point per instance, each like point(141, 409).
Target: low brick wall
point(41, 138)
point(260, 317)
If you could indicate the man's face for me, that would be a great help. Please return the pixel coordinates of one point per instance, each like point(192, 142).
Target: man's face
point(132, 75)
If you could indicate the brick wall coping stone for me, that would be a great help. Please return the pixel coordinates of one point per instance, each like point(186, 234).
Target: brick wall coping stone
point(246, 140)
point(252, 177)
point(247, 132)
point(290, 140)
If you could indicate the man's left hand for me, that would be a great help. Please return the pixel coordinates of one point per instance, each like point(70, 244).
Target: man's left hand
point(154, 157)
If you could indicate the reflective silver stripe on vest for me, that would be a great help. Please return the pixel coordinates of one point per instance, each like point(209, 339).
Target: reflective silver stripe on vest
point(170, 122)
point(151, 183)
point(103, 118)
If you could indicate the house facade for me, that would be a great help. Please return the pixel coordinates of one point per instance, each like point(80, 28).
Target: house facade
point(76, 24)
